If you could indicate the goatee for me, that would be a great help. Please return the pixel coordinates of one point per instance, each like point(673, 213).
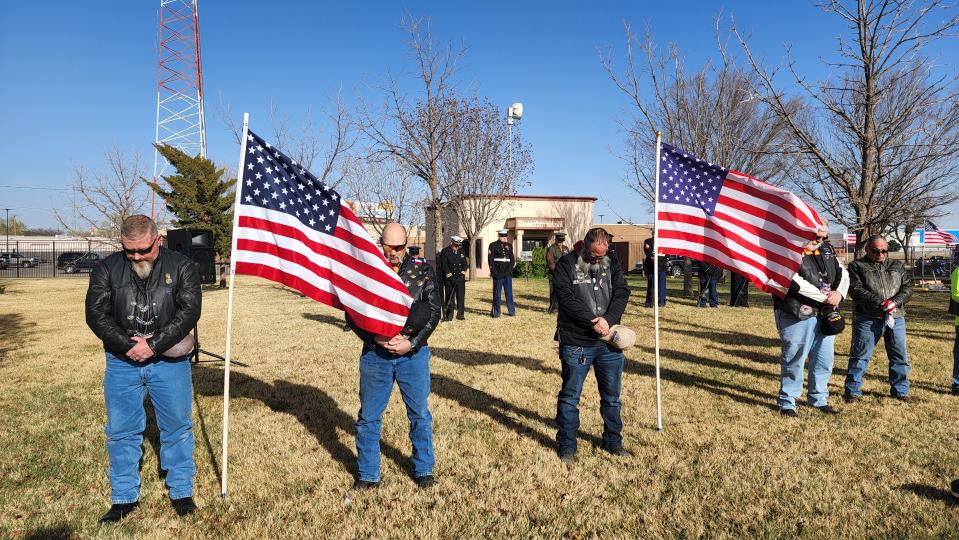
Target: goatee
point(142, 268)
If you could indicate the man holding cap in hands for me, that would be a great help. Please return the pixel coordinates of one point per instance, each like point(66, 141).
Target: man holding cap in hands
point(592, 295)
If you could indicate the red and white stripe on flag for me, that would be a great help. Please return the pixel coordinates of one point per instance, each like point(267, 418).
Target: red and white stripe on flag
point(933, 235)
point(292, 229)
point(732, 220)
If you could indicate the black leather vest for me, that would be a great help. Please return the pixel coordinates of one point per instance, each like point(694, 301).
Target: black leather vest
point(594, 287)
point(820, 270)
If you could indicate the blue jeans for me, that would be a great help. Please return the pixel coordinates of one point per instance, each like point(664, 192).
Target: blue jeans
point(955, 363)
point(170, 387)
point(707, 284)
point(865, 336)
point(411, 372)
point(802, 339)
point(662, 289)
point(607, 364)
point(506, 284)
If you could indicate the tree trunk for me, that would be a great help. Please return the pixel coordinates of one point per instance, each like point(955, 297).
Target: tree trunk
point(471, 256)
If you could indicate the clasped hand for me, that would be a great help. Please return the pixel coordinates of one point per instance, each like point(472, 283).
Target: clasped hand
point(140, 352)
point(397, 344)
point(600, 326)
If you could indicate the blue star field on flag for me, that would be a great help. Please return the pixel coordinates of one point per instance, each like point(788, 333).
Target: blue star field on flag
point(687, 180)
point(273, 181)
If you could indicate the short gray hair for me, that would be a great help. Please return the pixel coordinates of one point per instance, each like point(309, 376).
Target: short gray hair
point(875, 238)
point(138, 226)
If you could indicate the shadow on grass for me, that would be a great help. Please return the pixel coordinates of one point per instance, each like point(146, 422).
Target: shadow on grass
point(479, 358)
point(324, 318)
point(56, 532)
point(15, 332)
point(931, 493)
point(499, 410)
point(314, 409)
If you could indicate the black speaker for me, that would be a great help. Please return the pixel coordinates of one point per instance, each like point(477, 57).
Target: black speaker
point(197, 245)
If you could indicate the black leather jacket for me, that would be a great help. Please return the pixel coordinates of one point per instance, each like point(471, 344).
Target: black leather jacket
point(420, 280)
point(584, 296)
point(120, 305)
point(872, 283)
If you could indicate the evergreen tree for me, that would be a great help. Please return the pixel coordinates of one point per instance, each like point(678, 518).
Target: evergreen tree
point(199, 196)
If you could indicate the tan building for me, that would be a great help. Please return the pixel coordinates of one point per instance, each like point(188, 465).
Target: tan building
point(628, 241)
point(532, 221)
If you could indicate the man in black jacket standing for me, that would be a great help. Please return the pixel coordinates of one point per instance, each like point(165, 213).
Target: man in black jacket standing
point(404, 359)
point(142, 303)
point(592, 295)
point(453, 267)
point(880, 289)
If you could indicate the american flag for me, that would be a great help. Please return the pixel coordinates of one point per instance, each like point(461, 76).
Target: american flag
point(936, 236)
point(731, 220)
point(292, 229)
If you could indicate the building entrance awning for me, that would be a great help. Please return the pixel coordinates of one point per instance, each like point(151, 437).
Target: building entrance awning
point(536, 223)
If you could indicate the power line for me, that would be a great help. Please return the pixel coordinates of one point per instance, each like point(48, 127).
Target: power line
point(37, 187)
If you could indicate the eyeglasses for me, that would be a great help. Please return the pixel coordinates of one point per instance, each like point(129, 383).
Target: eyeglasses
point(878, 251)
point(144, 251)
point(394, 249)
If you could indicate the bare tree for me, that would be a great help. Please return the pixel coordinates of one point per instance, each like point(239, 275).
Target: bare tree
point(713, 113)
point(478, 174)
point(416, 132)
point(883, 130)
point(380, 192)
point(305, 144)
point(100, 201)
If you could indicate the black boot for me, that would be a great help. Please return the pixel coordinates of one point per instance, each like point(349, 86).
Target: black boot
point(184, 506)
point(118, 512)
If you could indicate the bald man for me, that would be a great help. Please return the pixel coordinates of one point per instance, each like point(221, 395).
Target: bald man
point(404, 359)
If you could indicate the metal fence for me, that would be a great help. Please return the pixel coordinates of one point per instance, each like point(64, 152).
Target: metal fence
point(64, 258)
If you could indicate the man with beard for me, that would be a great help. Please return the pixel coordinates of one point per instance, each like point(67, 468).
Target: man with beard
point(405, 360)
point(592, 295)
point(142, 303)
point(453, 266)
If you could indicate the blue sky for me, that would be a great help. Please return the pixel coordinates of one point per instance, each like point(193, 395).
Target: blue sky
point(80, 78)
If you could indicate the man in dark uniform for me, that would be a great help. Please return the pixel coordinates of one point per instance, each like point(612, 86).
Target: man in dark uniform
point(453, 266)
point(501, 262)
point(554, 253)
point(415, 254)
point(738, 290)
point(708, 275)
point(648, 251)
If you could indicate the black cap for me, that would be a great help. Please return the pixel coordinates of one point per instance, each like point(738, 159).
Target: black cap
point(414, 250)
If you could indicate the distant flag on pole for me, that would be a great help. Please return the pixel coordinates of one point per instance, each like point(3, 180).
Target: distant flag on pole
point(732, 220)
point(933, 235)
point(850, 239)
point(292, 229)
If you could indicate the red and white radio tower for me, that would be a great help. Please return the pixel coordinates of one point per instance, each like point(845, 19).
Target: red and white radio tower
point(180, 120)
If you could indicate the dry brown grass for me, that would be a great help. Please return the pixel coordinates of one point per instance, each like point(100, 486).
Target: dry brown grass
point(726, 464)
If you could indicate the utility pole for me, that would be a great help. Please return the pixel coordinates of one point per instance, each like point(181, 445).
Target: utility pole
point(7, 246)
point(601, 216)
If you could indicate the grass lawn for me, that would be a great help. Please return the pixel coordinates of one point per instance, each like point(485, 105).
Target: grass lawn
point(726, 464)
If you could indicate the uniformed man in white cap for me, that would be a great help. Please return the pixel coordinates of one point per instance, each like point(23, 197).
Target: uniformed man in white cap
point(453, 266)
point(501, 262)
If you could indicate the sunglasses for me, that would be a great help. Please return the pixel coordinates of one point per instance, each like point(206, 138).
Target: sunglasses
point(394, 249)
point(878, 251)
point(144, 251)
point(822, 238)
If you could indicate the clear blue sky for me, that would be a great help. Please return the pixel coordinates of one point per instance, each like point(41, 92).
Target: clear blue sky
point(79, 78)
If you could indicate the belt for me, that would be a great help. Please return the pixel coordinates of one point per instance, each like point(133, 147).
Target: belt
point(501, 260)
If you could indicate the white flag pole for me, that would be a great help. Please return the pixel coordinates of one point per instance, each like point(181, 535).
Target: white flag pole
point(659, 397)
point(229, 305)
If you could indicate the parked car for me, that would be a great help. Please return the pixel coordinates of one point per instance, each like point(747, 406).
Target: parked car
point(16, 259)
point(4, 264)
point(76, 261)
point(933, 266)
point(674, 266)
